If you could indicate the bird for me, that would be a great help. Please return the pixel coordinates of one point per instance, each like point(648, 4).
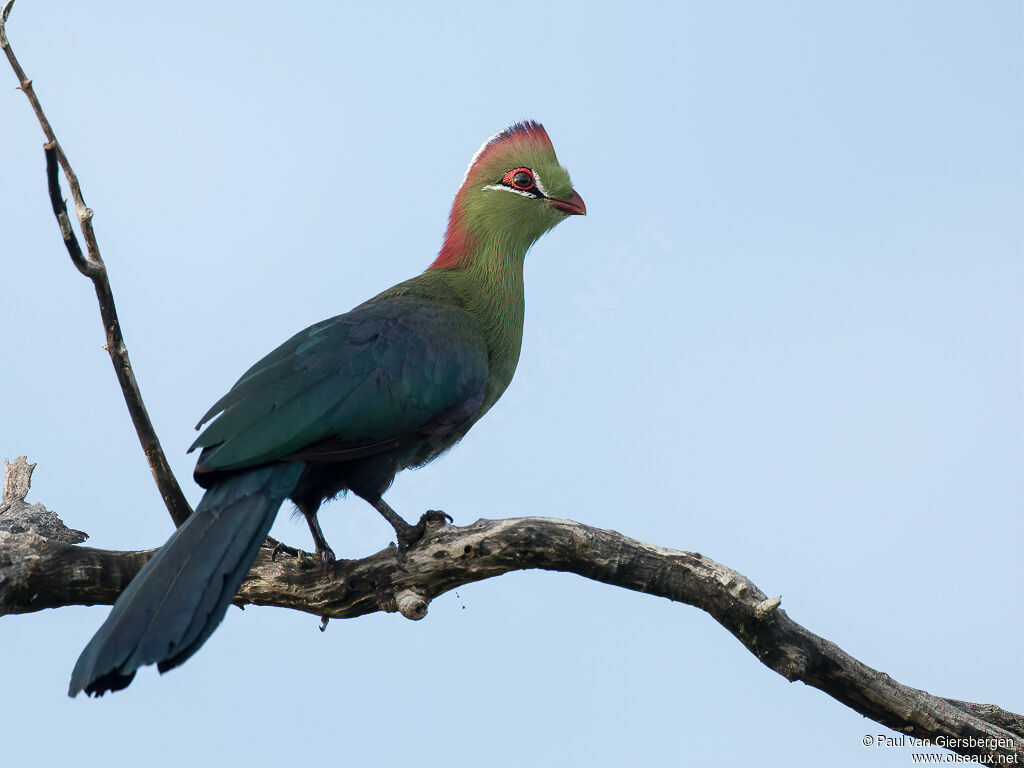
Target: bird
point(345, 405)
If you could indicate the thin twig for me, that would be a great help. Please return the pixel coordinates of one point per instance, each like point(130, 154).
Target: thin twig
point(60, 210)
point(91, 265)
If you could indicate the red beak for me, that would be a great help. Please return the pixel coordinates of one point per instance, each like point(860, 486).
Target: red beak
point(574, 206)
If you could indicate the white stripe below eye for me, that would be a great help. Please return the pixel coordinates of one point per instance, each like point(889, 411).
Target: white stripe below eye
point(503, 188)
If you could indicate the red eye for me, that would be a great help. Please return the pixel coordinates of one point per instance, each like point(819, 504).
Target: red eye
point(520, 178)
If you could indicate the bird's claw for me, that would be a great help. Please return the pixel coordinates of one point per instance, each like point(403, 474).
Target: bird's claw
point(326, 554)
point(280, 547)
point(436, 516)
point(411, 534)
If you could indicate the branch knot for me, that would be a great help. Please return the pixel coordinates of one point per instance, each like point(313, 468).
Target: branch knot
point(407, 602)
point(766, 607)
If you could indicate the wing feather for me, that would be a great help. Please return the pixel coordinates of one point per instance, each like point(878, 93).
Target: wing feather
point(372, 377)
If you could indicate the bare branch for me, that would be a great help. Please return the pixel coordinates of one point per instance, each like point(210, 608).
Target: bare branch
point(18, 516)
point(37, 573)
point(92, 266)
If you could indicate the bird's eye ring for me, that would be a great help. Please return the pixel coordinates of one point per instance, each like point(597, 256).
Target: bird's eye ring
point(519, 178)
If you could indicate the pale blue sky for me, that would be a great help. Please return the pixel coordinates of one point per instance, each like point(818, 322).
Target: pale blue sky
point(788, 336)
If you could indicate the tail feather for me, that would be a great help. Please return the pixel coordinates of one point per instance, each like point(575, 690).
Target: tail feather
point(181, 595)
point(234, 566)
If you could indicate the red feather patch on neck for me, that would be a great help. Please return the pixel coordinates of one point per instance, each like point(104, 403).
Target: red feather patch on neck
point(457, 239)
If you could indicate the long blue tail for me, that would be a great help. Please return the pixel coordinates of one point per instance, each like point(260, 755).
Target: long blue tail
point(180, 596)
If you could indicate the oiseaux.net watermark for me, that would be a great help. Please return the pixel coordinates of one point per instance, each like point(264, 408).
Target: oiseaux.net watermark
point(948, 742)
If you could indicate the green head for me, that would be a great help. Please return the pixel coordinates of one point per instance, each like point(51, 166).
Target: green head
point(514, 191)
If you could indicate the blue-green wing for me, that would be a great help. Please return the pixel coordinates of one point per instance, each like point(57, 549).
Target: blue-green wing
point(387, 371)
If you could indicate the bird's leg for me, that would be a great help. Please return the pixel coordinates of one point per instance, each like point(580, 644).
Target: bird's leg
point(407, 534)
point(322, 548)
point(404, 531)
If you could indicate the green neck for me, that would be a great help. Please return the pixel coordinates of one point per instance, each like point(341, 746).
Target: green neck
point(491, 286)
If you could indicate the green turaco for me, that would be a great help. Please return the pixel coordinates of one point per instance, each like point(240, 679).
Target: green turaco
point(345, 405)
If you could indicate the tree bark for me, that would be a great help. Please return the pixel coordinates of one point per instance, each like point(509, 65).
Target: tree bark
point(39, 571)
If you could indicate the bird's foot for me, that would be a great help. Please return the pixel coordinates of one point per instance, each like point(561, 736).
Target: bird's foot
point(325, 553)
point(435, 516)
point(410, 534)
point(406, 534)
point(277, 547)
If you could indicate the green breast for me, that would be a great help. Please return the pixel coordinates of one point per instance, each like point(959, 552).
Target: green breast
point(491, 290)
